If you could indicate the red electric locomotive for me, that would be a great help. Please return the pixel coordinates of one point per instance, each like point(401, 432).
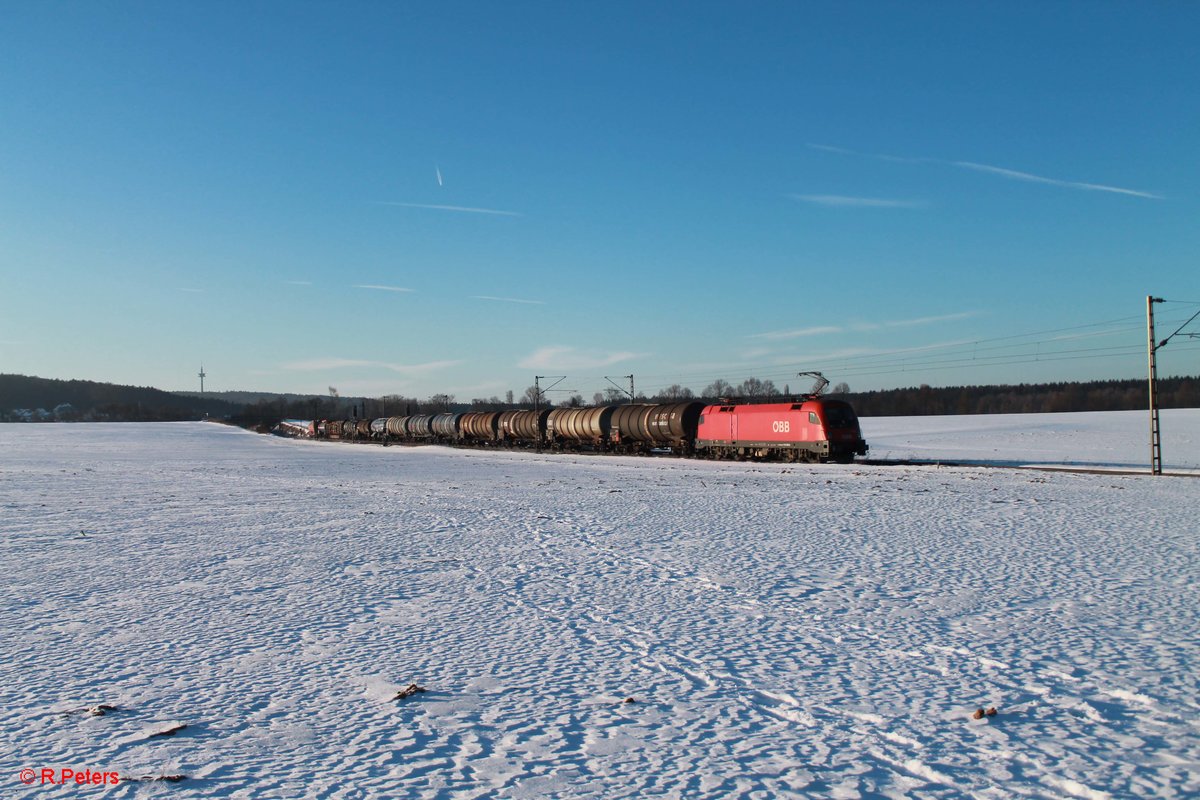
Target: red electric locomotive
point(813, 430)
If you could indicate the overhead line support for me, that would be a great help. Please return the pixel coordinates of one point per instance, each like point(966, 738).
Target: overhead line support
point(1151, 351)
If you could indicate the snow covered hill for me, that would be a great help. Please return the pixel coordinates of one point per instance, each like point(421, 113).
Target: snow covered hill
point(599, 627)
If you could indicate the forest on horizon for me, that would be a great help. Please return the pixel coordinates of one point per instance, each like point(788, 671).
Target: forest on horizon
point(30, 399)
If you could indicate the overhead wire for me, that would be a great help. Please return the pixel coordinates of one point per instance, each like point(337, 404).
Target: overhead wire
point(988, 352)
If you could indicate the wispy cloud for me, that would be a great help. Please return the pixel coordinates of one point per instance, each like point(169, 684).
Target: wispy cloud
point(326, 364)
point(318, 364)
point(508, 300)
point(1025, 176)
point(863, 352)
point(860, 327)
point(867, 327)
point(464, 209)
point(796, 333)
point(828, 355)
point(381, 288)
point(1002, 172)
point(561, 357)
point(881, 156)
point(844, 201)
point(905, 323)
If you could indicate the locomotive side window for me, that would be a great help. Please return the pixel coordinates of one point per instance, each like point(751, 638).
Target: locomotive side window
point(812, 418)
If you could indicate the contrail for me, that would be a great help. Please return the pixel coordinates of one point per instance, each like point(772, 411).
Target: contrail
point(508, 299)
point(844, 201)
point(1031, 178)
point(453, 208)
point(438, 170)
point(1003, 172)
point(381, 288)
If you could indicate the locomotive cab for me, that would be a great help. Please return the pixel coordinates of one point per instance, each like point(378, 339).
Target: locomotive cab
point(841, 430)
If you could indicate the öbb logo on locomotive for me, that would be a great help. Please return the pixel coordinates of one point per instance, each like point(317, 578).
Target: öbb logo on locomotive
point(812, 429)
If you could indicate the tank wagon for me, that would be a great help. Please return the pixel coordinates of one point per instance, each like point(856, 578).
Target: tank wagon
point(578, 427)
point(479, 427)
point(648, 427)
point(814, 429)
point(445, 427)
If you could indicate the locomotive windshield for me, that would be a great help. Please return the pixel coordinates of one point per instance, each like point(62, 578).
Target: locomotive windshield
point(840, 416)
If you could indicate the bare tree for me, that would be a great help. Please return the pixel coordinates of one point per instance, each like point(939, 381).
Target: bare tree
point(614, 395)
point(531, 397)
point(576, 401)
point(755, 388)
point(676, 392)
point(598, 399)
point(718, 388)
point(751, 387)
point(439, 402)
point(396, 404)
point(508, 397)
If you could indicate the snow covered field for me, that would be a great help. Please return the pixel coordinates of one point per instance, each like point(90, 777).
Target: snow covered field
point(1106, 440)
point(782, 631)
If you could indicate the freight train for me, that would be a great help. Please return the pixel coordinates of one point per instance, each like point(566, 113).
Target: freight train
point(811, 429)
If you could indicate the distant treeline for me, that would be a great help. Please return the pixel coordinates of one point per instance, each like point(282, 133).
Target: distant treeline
point(1121, 395)
point(1116, 395)
point(25, 398)
point(30, 399)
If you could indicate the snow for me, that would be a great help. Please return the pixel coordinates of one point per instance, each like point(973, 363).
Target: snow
point(819, 631)
point(1101, 440)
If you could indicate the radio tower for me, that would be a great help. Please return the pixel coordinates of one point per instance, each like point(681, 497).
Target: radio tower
point(201, 379)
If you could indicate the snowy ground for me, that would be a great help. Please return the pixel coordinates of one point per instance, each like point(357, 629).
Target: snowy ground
point(1112, 440)
point(783, 631)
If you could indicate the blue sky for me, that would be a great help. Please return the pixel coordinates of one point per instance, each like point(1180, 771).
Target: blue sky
point(423, 198)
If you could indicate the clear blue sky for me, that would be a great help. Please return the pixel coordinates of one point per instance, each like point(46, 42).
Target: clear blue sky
point(441, 197)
